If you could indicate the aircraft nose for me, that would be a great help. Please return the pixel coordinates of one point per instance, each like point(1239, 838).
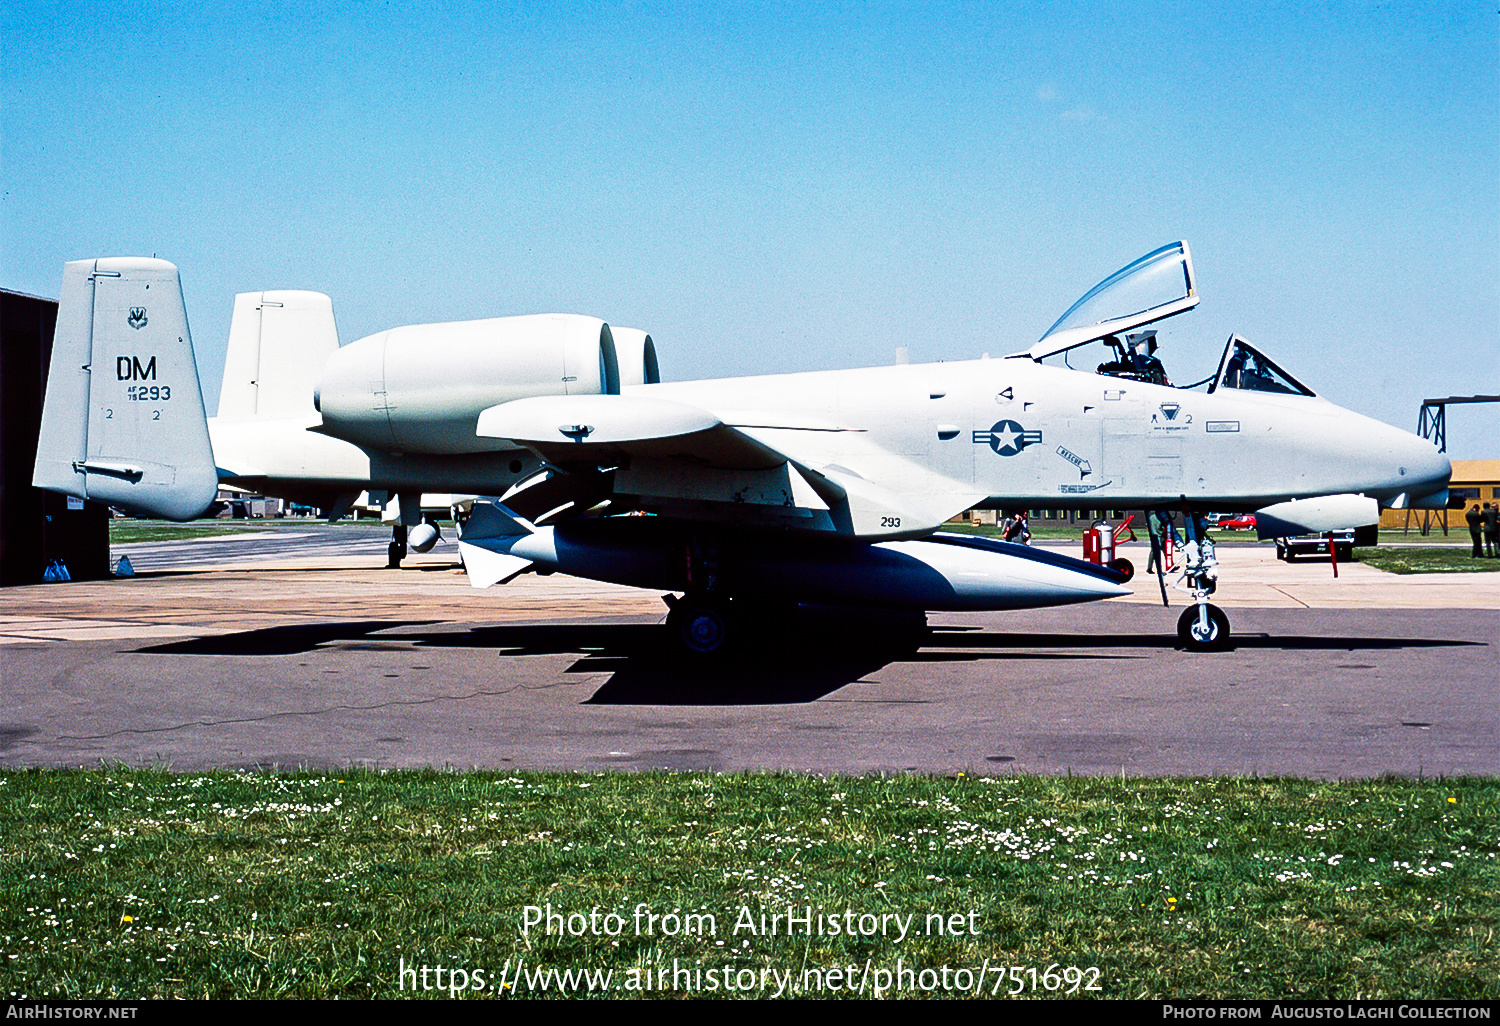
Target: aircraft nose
point(1426, 471)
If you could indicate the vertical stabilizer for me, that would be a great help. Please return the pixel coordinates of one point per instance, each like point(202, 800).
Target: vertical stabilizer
point(123, 422)
point(278, 343)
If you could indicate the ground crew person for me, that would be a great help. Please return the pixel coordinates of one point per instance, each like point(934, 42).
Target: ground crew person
point(1159, 525)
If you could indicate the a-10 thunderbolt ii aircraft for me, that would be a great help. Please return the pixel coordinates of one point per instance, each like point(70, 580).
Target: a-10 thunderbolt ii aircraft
point(827, 487)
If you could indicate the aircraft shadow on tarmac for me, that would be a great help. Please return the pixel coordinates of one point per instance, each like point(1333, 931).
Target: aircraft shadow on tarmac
point(289, 639)
point(802, 662)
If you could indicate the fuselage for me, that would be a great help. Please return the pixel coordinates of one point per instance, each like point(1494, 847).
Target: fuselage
point(1023, 434)
point(288, 457)
point(1007, 433)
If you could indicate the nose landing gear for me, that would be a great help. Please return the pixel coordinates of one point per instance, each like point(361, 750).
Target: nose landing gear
point(1203, 628)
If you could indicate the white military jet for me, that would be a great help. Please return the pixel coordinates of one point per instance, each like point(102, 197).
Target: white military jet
point(826, 487)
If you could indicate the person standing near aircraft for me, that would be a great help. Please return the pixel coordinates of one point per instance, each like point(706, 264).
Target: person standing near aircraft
point(1492, 530)
point(1160, 527)
point(1475, 520)
point(1019, 529)
point(1199, 549)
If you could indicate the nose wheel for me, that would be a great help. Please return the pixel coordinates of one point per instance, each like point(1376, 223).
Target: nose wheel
point(1203, 628)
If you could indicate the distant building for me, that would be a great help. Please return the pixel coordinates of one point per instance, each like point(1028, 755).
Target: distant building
point(37, 528)
point(1474, 481)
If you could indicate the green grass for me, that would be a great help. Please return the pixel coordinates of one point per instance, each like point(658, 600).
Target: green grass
point(131, 884)
point(1061, 529)
point(1413, 559)
point(1040, 529)
point(123, 530)
point(1396, 536)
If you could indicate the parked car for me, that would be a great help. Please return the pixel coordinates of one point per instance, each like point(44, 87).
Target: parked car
point(1316, 545)
point(1344, 543)
point(1242, 522)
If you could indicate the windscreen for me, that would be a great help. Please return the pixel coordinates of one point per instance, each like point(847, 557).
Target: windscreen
point(1246, 368)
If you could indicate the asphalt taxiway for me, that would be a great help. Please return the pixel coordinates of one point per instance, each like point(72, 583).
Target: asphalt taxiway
point(291, 649)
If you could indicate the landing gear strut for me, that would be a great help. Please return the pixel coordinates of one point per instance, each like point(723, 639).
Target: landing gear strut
point(396, 551)
point(1203, 627)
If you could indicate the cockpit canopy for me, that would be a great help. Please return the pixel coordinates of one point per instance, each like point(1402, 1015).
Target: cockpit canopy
point(1244, 367)
point(1156, 286)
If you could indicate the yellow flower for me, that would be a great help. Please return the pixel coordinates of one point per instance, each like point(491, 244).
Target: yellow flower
point(127, 919)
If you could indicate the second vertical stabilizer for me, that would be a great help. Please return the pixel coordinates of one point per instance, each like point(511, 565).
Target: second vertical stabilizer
point(278, 344)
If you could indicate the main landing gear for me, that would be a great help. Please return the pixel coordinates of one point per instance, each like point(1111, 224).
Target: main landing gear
point(709, 625)
point(699, 625)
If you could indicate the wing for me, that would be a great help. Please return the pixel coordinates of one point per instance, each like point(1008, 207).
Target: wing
point(677, 459)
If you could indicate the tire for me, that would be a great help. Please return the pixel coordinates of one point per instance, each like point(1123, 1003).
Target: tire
point(1123, 566)
point(1217, 638)
point(699, 629)
point(1281, 552)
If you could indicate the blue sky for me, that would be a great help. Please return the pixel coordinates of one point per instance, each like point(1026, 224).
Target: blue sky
point(780, 187)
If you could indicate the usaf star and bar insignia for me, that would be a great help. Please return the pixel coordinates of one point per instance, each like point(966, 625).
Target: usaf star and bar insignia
point(1007, 438)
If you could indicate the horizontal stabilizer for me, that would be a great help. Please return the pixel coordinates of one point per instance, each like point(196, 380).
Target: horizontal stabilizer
point(123, 422)
point(1316, 516)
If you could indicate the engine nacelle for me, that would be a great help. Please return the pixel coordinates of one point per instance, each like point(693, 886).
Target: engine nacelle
point(421, 388)
point(637, 355)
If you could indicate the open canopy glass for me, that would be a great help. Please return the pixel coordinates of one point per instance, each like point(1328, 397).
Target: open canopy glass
point(1158, 285)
